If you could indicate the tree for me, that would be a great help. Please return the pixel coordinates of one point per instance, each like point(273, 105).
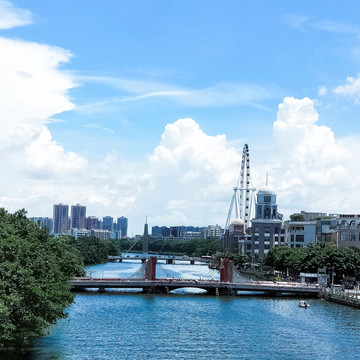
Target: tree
point(297, 217)
point(340, 260)
point(34, 273)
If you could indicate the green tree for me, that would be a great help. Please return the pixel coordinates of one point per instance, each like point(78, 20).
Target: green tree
point(34, 273)
point(297, 217)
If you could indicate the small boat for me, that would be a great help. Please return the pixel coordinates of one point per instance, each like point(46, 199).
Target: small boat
point(304, 304)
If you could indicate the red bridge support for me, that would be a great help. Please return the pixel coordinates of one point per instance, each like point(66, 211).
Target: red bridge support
point(150, 268)
point(226, 270)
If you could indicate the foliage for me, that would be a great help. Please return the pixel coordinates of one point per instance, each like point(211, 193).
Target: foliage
point(237, 259)
point(94, 250)
point(342, 261)
point(297, 217)
point(34, 273)
point(191, 247)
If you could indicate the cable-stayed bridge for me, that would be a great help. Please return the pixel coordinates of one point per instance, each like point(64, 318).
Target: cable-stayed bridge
point(231, 282)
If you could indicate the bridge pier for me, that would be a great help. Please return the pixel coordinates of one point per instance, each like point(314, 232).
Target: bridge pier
point(153, 289)
point(101, 289)
point(192, 262)
point(170, 261)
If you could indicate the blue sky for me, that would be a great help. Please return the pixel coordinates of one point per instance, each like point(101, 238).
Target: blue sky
point(141, 108)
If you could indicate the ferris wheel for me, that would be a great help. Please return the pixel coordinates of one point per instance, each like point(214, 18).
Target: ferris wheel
point(244, 192)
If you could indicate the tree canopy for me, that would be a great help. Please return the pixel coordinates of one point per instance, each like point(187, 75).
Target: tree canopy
point(342, 261)
point(34, 273)
point(191, 247)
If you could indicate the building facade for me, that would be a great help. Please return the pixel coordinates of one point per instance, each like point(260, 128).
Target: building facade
point(43, 222)
point(108, 223)
point(234, 237)
point(78, 216)
point(60, 218)
point(266, 226)
point(122, 226)
point(347, 230)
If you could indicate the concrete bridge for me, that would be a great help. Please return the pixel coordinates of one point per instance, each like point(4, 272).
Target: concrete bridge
point(230, 283)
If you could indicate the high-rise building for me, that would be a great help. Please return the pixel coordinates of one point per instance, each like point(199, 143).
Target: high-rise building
point(78, 216)
point(92, 222)
point(60, 218)
point(43, 222)
point(122, 225)
point(108, 223)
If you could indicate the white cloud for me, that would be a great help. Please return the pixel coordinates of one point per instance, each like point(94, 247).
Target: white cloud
point(350, 89)
point(193, 175)
point(11, 16)
point(222, 94)
point(322, 90)
point(315, 171)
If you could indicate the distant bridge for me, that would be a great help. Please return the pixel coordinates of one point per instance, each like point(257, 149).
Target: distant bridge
point(230, 283)
point(168, 259)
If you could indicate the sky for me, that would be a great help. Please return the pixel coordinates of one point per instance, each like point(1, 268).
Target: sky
point(141, 108)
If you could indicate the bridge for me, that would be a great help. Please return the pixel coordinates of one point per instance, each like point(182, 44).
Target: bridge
point(168, 259)
point(231, 282)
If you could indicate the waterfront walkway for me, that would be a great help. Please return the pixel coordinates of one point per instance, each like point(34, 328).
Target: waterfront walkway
point(349, 297)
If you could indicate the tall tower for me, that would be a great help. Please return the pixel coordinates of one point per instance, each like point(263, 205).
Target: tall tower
point(60, 218)
point(266, 226)
point(122, 223)
point(146, 239)
point(78, 216)
point(266, 207)
point(108, 223)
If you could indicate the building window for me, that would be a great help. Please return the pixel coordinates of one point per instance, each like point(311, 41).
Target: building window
point(344, 224)
point(292, 238)
point(352, 236)
point(299, 238)
point(256, 230)
point(353, 225)
point(343, 236)
point(267, 230)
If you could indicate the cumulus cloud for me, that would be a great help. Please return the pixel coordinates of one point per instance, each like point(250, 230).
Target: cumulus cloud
point(315, 171)
point(194, 172)
point(32, 89)
point(350, 89)
point(12, 16)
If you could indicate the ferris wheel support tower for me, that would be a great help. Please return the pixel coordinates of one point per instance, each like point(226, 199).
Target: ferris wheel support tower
point(242, 199)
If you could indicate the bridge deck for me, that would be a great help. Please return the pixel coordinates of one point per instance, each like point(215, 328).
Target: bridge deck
point(164, 286)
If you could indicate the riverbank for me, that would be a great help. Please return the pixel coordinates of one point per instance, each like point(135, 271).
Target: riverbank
point(336, 294)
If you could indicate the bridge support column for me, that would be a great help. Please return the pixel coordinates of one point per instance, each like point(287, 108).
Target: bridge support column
point(192, 262)
point(150, 268)
point(101, 289)
point(226, 273)
point(170, 261)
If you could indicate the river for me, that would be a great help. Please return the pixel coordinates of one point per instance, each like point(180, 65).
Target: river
point(189, 325)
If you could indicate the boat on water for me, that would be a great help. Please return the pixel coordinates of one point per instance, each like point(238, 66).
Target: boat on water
point(304, 304)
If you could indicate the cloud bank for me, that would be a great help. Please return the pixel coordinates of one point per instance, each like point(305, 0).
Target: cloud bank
point(316, 171)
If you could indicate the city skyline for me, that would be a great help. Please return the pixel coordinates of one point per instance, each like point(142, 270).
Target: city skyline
point(142, 108)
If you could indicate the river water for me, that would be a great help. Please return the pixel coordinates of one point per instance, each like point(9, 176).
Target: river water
point(188, 325)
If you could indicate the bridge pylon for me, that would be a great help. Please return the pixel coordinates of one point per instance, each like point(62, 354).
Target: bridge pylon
point(226, 273)
point(150, 268)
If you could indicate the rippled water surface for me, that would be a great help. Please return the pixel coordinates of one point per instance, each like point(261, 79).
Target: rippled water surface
point(193, 326)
